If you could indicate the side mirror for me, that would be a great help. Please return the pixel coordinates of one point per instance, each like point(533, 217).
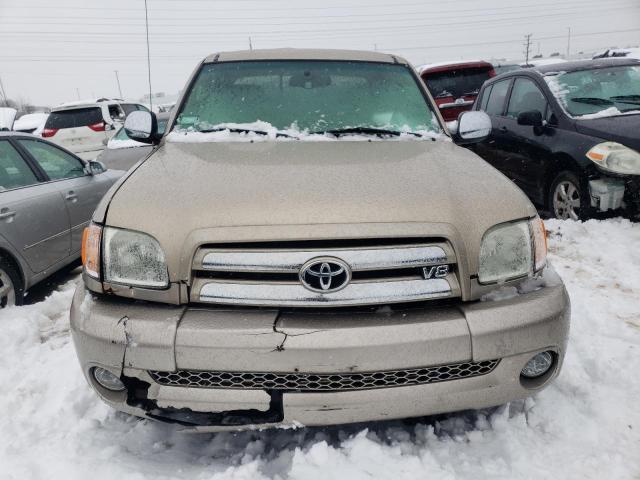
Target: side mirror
point(531, 117)
point(95, 167)
point(473, 127)
point(142, 127)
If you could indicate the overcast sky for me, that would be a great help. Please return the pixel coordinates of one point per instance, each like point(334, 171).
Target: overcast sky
point(51, 50)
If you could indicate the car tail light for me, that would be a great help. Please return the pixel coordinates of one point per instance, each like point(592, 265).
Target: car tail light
point(97, 127)
point(49, 132)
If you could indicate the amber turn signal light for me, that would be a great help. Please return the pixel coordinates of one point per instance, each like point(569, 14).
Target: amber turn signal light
point(91, 250)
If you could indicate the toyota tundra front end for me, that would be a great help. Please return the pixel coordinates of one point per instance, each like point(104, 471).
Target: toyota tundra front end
point(308, 246)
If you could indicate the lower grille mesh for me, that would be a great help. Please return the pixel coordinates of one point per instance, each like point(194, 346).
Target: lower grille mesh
point(317, 382)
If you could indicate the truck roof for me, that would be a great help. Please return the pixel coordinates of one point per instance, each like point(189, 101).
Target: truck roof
point(304, 54)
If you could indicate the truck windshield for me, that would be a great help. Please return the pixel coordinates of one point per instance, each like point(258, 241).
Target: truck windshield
point(307, 96)
point(600, 91)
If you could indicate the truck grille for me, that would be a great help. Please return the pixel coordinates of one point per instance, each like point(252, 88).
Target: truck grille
point(369, 273)
point(320, 382)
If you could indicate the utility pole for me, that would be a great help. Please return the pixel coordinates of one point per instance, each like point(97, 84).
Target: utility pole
point(118, 80)
point(527, 48)
point(375, 47)
point(250, 44)
point(568, 42)
point(78, 92)
point(4, 93)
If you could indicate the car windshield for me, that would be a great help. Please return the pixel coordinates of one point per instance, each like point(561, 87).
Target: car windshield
point(456, 82)
point(599, 91)
point(307, 96)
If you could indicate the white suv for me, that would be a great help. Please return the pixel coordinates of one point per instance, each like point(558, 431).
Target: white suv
point(85, 127)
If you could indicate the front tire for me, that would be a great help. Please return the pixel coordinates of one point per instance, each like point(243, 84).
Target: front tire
point(568, 199)
point(11, 286)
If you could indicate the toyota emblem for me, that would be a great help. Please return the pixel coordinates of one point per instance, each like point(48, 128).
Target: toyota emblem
point(325, 275)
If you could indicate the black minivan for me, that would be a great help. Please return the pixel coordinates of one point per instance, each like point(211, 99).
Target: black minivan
point(568, 134)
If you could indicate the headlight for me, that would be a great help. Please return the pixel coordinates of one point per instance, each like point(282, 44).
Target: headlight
point(133, 258)
point(614, 157)
point(512, 250)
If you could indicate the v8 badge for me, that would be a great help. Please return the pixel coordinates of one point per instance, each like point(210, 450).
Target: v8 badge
point(435, 271)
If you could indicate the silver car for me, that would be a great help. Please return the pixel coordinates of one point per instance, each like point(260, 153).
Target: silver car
point(308, 245)
point(122, 152)
point(47, 197)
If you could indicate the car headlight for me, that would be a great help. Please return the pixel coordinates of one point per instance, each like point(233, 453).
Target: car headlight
point(512, 250)
point(128, 257)
point(616, 158)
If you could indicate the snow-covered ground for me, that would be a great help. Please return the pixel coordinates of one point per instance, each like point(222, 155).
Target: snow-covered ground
point(585, 426)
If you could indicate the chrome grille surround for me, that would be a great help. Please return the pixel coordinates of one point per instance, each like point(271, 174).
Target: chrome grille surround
point(269, 276)
point(292, 261)
point(322, 382)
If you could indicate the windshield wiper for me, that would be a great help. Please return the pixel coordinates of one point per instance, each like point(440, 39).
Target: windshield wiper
point(365, 131)
point(592, 100)
point(633, 99)
point(243, 130)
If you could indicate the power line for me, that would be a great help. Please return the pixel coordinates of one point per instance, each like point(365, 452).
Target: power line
point(345, 31)
point(136, 58)
point(261, 19)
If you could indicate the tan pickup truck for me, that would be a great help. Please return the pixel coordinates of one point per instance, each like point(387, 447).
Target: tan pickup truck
point(308, 244)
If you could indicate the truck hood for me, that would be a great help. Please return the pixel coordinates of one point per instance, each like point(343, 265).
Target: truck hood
point(187, 194)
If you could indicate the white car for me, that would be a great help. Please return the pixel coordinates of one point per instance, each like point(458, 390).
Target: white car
point(85, 127)
point(31, 123)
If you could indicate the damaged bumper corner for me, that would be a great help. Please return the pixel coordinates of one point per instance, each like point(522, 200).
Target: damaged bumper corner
point(135, 339)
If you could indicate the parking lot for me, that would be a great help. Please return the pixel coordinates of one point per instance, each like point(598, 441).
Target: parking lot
point(585, 425)
point(349, 239)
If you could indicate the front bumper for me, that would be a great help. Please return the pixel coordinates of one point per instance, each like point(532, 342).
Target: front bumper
point(130, 339)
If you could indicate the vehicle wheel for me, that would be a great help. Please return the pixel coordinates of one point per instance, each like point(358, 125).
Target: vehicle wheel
point(567, 199)
point(11, 288)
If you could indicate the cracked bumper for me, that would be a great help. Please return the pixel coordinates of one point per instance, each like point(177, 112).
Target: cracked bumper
point(131, 338)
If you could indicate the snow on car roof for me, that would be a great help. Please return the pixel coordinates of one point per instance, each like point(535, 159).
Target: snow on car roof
point(85, 103)
point(576, 65)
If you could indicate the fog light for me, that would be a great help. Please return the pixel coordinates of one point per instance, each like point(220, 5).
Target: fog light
point(538, 365)
point(107, 379)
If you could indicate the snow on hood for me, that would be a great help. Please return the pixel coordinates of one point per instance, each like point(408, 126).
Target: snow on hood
point(30, 121)
point(271, 133)
point(116, 143)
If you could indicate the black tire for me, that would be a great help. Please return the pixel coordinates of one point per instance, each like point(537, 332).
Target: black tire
point(568, 197)
point(15, 293)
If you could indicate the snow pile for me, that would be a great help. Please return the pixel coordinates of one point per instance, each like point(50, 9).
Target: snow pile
point(586, 425)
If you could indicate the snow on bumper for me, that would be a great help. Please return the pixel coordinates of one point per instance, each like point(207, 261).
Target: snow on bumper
point(132, 339)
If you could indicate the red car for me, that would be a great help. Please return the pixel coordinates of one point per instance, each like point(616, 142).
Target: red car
point(455, 86)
